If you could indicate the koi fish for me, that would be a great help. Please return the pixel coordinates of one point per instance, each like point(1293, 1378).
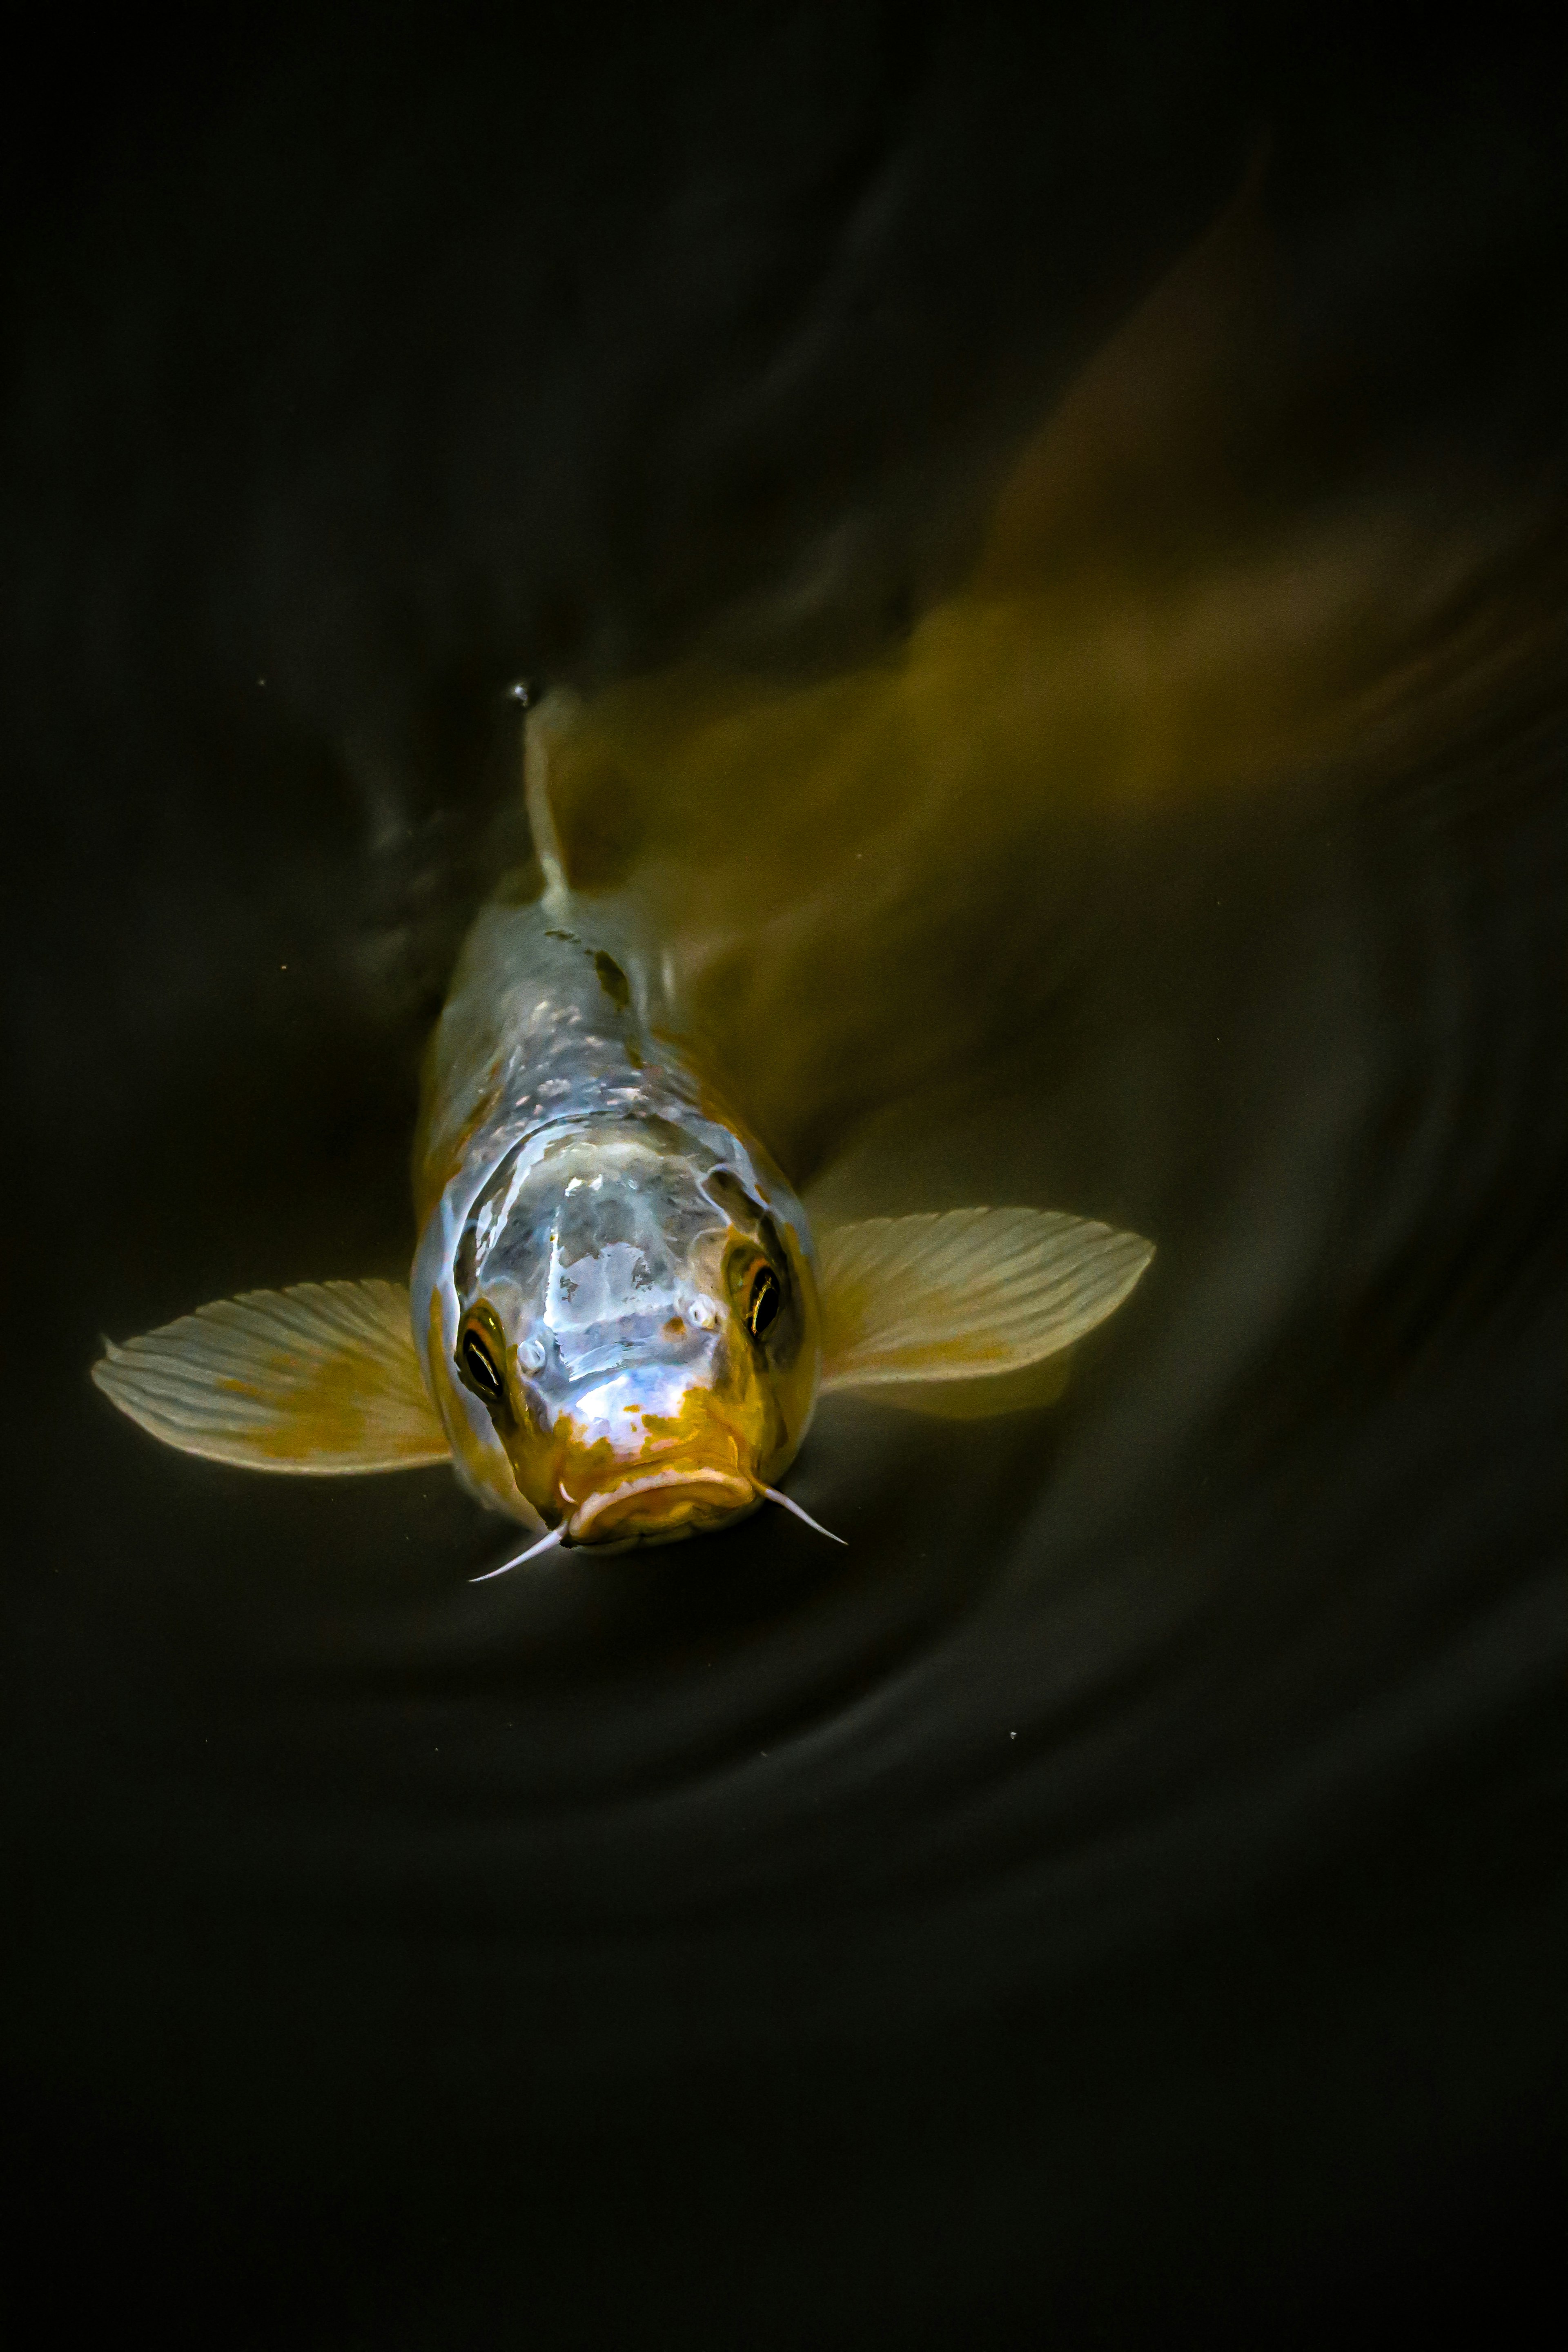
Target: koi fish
point(620, 1321)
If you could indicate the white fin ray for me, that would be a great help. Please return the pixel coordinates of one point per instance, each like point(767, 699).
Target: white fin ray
point(966, 1295)
point(321, 1379)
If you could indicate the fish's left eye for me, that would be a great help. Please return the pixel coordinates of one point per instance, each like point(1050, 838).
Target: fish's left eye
point(762, 1305)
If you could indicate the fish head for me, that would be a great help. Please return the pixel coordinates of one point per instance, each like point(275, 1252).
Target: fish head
point(637, 1318)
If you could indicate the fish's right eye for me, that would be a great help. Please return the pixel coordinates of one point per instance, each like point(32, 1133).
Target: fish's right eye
point(480, 1367)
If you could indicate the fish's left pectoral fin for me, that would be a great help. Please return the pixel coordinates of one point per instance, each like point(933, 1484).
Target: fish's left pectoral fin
point(970, 1295)
point(322, 1379)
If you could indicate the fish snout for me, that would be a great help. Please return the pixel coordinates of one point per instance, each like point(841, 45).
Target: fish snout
point(683, 1499)
point(651, 1460)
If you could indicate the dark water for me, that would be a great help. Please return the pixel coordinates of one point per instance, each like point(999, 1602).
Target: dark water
point(1118, 1898)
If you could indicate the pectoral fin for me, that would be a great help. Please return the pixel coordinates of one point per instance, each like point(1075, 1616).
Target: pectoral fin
point(966, 1296)
point(322, 1379)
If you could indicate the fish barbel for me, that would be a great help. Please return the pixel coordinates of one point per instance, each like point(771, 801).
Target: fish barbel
point(618, 1321)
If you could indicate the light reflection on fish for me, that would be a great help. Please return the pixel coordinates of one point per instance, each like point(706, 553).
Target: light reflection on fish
point(618, 1321)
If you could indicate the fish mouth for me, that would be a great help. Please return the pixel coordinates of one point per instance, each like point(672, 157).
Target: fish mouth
point(661, 1505)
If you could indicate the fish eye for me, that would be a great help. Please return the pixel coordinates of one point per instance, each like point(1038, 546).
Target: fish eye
point(762, 1305)
point(480, 1366)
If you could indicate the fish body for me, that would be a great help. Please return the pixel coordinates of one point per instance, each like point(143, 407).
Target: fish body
point(614, 1296)
point(618, 1321)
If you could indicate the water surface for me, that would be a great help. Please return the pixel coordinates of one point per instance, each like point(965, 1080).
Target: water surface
point(1116, 1895)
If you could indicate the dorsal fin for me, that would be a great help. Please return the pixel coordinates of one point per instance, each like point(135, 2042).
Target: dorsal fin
point(546, 721)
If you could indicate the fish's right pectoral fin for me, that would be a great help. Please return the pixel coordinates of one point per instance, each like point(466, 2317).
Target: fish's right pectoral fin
point(322, 1379)
point(970, 1300)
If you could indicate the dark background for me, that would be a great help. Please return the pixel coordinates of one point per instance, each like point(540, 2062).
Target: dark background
point(1119, 1901)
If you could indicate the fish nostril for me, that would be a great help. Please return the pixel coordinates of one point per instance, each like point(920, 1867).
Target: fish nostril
point(530, 1356)
point(703, 1313)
